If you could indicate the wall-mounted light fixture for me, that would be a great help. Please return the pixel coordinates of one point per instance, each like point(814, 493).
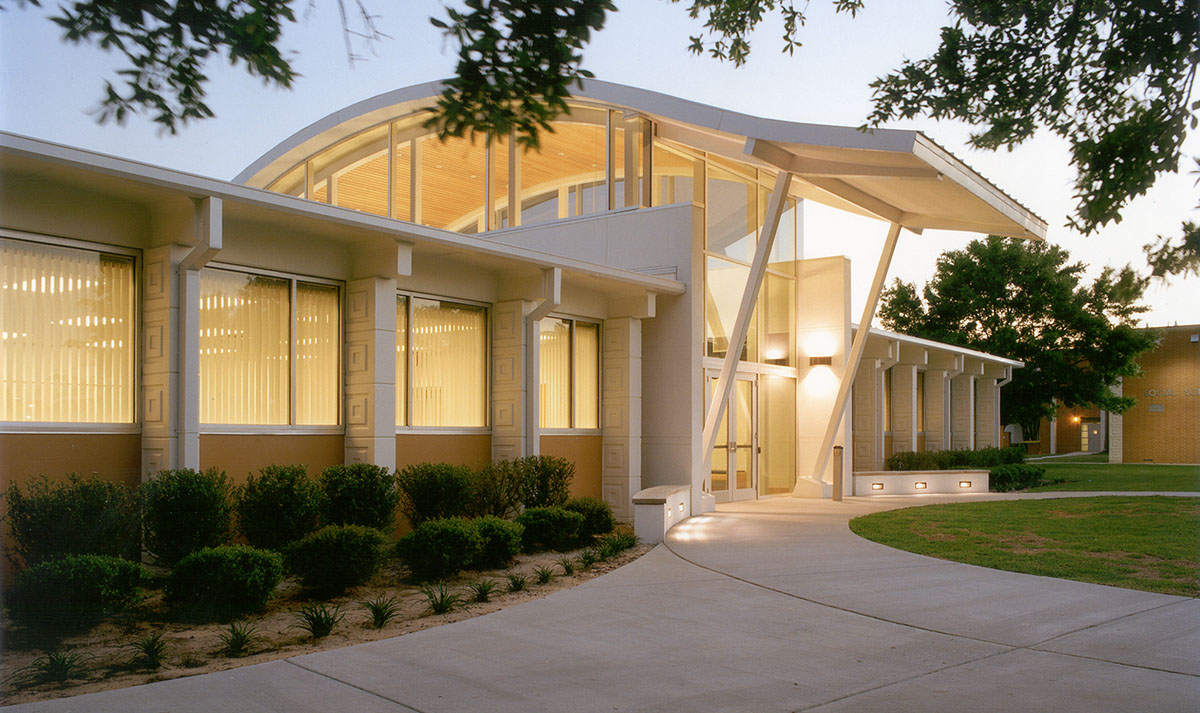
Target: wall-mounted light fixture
point(876, 486)
point(964, 483)
point(920, 485)
point(1075, 419)
point(820, 361)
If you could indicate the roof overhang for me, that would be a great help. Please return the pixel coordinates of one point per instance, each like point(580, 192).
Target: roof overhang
point(160, 190)
point(883, 334)
point(892, 175)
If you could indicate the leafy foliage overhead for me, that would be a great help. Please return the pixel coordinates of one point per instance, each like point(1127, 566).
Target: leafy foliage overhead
point(1024, 300)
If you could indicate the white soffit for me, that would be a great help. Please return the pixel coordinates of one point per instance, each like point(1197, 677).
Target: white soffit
point(877, 333)
point(893, 175)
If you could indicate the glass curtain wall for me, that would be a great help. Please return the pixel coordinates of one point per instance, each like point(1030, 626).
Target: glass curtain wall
point(67, 344)
point(402, 170)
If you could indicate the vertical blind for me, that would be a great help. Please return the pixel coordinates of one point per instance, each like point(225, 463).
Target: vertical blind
point(244, 348)
point(67, 345)
point(317, 348)
point(449, 364)
point(401, 360)
point(554, 373)
point(587, 375)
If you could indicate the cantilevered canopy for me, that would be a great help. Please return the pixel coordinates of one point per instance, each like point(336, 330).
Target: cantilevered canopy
point(898, 176)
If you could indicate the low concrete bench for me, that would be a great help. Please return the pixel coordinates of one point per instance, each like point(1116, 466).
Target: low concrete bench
point(658, 509)
point(917, 482)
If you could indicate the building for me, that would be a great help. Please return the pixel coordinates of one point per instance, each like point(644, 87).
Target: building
point(367, 292)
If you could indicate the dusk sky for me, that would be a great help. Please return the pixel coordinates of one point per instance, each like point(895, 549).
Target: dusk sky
point(48, 90)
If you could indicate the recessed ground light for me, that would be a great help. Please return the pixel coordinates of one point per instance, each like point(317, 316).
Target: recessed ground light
point(964, 483)
point(876, 486)
point(680, 507)
point(920, 485)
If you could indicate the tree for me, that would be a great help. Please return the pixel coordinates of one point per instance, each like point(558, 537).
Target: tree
point(1112, 78)
point(1024, 300)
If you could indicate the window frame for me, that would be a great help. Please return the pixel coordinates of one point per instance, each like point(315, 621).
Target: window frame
point(571, 430)
point(407, 427)
point(290, 428)
point(135, 425)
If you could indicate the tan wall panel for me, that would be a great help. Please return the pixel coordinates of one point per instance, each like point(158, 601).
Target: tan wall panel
point(920, 442)
point(112, 457)
point(1170, 380)
point(584, 452)
point(115, 457)
point(241, 454)
point(471, 450)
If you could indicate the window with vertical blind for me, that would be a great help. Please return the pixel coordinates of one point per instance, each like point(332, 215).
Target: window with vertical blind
point(569, 374)
point(269, 350)
point(67, 341)
point(441, 363)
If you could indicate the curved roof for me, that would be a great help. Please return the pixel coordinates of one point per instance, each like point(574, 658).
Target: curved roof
point(895, 175)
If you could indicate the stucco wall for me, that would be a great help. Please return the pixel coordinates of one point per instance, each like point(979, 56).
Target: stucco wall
point(584, 452)
point(242, 454)
point(469, 449)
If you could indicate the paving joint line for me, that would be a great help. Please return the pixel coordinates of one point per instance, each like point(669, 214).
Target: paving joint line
point(368, 691)
point(1010, 647)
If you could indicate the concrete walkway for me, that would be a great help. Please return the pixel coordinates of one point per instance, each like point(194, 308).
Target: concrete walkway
point(764, 606)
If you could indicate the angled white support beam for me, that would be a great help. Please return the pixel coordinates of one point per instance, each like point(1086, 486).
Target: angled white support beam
point(208, 234)
point(777, 155)
point(856, 352)
point(741, 325)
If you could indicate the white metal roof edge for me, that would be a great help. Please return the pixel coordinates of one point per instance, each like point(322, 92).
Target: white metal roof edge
point(196, 186)
point(919, 341)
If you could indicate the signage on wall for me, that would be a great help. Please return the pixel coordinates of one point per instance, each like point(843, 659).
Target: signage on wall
point(1192, 391)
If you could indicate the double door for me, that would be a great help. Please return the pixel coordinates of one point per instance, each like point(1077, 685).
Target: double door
point(735, 453)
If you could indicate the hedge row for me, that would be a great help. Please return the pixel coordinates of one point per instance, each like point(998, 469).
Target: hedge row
point(955, 459)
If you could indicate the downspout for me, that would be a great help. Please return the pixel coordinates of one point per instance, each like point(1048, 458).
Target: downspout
point(208, 243)
point(997, 438)
point(550, 300)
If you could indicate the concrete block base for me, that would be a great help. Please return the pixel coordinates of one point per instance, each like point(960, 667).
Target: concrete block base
point(918, 482)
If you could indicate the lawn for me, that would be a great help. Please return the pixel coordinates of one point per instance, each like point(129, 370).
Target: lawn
point(1085, 458)
point(1121, 476)
point(1147, 543)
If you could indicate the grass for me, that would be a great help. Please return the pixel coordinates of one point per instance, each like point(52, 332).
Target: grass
point(1145, 542)
point(1086, 458)
point(1120, 476)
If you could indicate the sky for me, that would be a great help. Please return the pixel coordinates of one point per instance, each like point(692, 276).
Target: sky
point(49, 89)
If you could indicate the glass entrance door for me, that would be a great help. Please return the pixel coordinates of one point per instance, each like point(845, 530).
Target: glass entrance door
point(735, 453)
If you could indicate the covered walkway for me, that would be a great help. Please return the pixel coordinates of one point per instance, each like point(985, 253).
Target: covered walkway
point(771, 605)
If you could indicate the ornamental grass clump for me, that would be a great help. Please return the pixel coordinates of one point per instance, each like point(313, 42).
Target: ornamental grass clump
point(79, 517)
point(184, 511)
point(55, 666)
point(278, 506)
point(440, 548)
point(238, 638)
point(318, 619)
point(149, 651)
point(517, 582)
point(568, 566)
point(224, 582)
point(359, 494)
point(73, 593)
point(382, 611)
point(482, 590)
point(543, 575)
point(440, 599)
point(336, 558)
point(434, 491)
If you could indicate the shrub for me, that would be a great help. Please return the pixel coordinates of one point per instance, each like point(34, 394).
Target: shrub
point(279, 506)
point(497, 490)
point(434, 491)
point(225, 581)
point(550, 528)
point(440, 548)
point(360, 494)
point(335, 558)
point(1017, 476)
point(597, 516)
point(184, 511)
point(545, 480)
point(956, 459)
point(73, 592)
point(500, 542)
point(78, 517)
point(912, 460)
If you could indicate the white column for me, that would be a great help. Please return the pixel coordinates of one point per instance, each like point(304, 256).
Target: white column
point(621, 415)
point(904, 408)
point(160, 357)
point(371, 371)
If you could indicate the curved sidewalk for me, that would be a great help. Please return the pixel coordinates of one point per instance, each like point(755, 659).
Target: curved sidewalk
point(771, 605)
